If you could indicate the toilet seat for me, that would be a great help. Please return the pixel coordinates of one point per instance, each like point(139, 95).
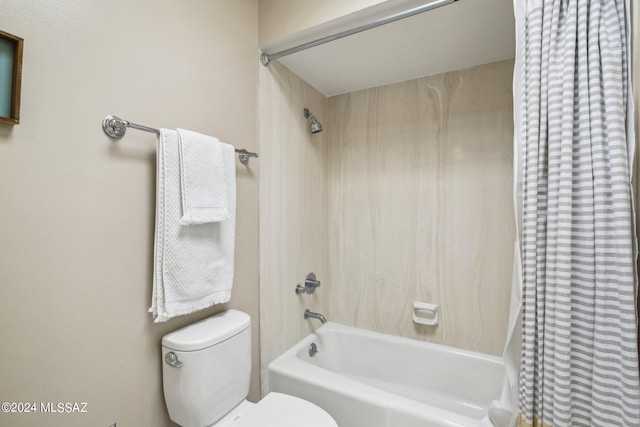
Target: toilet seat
point(282, 410)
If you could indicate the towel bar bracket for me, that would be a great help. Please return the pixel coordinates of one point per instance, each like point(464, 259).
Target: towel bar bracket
point(114, 126)
point(245, 155)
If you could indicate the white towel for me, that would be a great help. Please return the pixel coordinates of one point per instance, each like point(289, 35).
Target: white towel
point(203, 182)
point(193, 265)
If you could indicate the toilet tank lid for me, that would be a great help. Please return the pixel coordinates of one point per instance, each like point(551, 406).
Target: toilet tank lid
point(207, 332)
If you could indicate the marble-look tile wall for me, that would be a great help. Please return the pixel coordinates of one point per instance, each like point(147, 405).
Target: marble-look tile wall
point(293, 211)
point(420, 206)
point(406, 195)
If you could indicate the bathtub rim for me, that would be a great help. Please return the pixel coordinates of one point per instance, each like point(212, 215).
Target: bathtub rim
point(329, 326)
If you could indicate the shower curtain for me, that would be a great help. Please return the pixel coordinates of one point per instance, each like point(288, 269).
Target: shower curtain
point(578, 356)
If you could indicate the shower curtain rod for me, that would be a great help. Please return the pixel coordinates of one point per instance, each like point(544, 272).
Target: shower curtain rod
point(266, 58)
point(116, 127)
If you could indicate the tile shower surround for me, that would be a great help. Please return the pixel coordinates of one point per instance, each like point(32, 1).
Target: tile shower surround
point(406, 195)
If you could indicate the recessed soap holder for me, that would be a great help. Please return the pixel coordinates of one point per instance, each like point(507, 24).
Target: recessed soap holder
point(425, 313)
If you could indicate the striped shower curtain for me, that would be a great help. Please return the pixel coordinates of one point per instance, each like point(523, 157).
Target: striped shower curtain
point(579, 363)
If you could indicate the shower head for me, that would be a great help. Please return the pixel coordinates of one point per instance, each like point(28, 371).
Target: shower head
point(314, 124)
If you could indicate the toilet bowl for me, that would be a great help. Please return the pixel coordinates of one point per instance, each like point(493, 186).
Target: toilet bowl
point(279, 410)
point(206, 372)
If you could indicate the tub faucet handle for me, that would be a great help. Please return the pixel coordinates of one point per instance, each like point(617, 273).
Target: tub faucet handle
point(310, 284)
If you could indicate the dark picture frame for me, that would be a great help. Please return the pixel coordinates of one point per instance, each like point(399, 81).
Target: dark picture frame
point(11, 48)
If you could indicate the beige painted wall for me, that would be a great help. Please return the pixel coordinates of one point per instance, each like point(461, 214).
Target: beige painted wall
point(281, 18)
point(77, 216)
point(293, 208)
point(421, 206)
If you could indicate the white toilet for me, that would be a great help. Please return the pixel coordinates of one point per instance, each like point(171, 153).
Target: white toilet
point(206, 369)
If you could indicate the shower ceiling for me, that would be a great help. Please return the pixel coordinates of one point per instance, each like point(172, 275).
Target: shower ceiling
point(452, 37)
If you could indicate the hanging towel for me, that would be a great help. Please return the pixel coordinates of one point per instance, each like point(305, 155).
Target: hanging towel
point(193, 265)
point(202, 179)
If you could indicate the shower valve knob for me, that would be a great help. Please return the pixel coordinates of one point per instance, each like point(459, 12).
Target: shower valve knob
point(310, 285)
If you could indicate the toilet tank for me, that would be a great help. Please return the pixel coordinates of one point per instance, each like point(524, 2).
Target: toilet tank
point(216, 367)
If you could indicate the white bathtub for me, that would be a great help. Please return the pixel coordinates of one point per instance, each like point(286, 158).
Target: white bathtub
point(368, 379)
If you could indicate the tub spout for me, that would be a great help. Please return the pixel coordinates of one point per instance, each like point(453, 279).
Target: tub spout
point(308, 314)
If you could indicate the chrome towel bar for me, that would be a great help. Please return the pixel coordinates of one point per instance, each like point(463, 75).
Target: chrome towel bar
point(116, 127)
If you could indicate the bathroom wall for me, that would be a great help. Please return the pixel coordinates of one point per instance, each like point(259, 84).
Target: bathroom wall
point(421, 207)
point(293, 208)
point(77, 210)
